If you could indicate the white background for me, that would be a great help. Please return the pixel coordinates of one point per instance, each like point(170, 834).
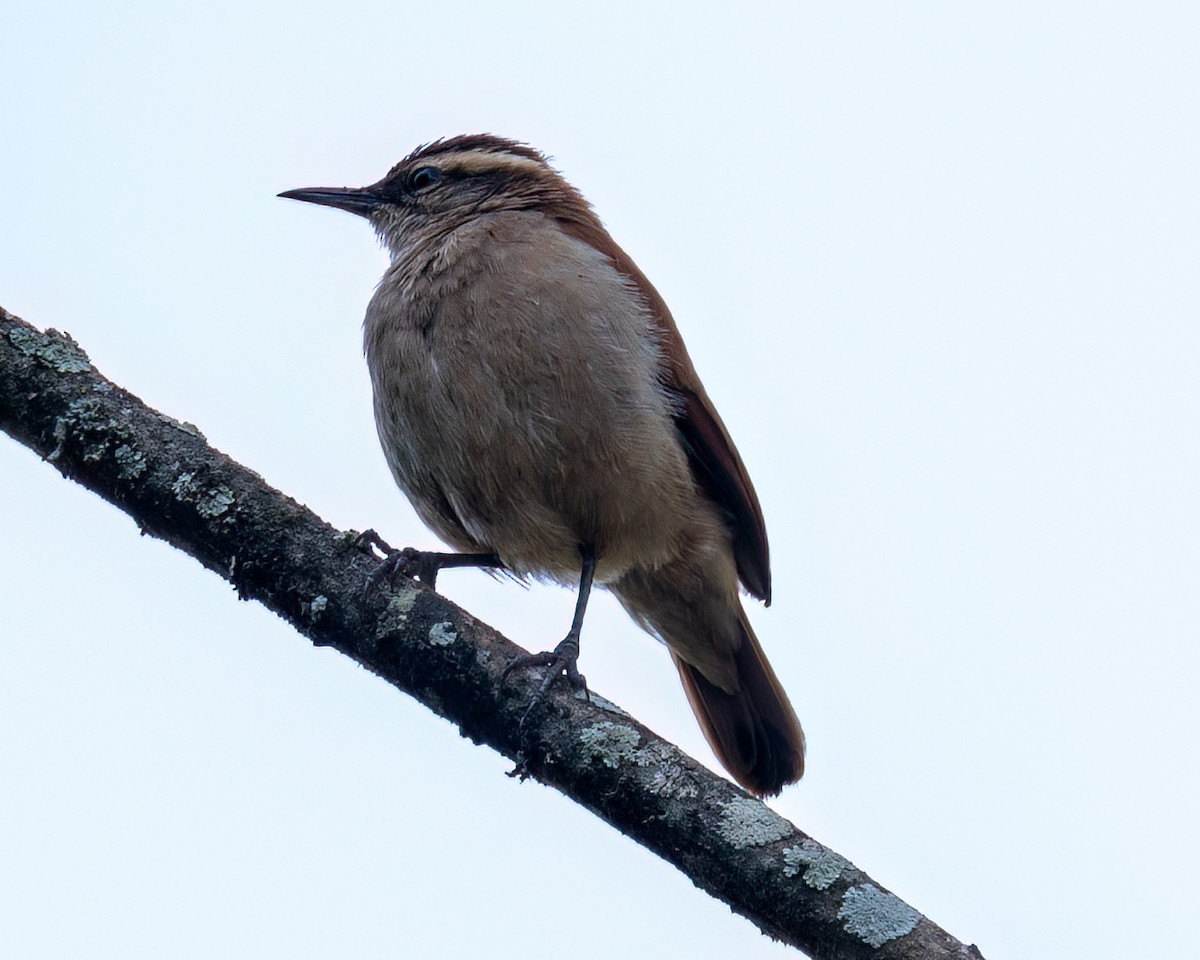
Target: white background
point(937, 265)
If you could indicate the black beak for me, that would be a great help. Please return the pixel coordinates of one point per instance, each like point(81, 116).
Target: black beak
point(360, 200)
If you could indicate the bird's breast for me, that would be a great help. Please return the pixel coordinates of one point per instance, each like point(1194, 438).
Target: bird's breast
point(519, 401)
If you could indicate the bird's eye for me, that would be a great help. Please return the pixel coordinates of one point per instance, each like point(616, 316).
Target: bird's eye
point(424, 178)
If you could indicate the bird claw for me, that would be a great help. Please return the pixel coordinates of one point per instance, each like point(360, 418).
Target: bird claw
point(563, 660)
point(408, 562)
point(368, 539)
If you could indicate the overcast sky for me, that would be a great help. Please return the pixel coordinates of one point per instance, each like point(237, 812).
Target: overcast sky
point(937, 265)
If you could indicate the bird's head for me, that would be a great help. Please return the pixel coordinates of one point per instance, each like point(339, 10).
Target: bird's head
point(445, 184)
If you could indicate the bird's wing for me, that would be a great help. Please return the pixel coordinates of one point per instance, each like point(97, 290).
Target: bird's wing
point(713, 456)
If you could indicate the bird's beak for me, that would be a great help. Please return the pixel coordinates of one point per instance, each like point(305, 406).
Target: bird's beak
point(360, 200)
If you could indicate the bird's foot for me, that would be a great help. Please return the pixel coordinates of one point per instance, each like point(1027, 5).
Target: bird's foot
point(421, 565)
point(370, 538)
point(563, 660)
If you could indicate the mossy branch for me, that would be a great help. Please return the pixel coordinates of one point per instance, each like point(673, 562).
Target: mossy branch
point(271, 549)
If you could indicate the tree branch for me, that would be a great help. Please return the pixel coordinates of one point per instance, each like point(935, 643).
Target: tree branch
point(273, 550)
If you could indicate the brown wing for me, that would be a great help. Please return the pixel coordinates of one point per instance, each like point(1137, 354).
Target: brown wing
point(713, 456)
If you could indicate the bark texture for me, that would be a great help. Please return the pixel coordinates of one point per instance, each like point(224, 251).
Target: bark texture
point(274, 550)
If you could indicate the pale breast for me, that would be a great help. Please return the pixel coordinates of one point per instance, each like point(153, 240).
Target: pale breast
point(519, 401)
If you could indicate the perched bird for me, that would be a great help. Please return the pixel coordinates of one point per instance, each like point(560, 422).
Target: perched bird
point(537, 405)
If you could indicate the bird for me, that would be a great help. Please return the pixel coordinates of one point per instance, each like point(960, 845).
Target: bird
point(537, 405)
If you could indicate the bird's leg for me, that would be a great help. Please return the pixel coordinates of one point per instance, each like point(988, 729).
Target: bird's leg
point(421, 564)
point(563, 659)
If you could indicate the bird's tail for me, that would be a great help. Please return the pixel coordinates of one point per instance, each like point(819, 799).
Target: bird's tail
point(753, 731)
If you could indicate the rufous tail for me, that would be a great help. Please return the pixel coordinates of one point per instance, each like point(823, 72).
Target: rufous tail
point(754, 731)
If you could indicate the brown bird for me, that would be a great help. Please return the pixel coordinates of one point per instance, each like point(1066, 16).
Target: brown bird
point(537, 405)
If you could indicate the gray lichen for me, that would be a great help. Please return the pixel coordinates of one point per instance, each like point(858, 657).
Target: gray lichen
point(668, 776)
point(131, 463)
point(189, 428)
point(821, 865)
point(184, 486)
point(56, 350)
point(442, 634)
point(86, 422)
point(749, 823)
point(396, 614)
point(315, 608)
point(209, 503)
point(606, 705)
point(215, 502)
point(609, 742)
point(876, 917)
point(654, 754)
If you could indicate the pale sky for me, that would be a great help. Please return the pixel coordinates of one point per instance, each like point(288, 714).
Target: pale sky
point(937, 265)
